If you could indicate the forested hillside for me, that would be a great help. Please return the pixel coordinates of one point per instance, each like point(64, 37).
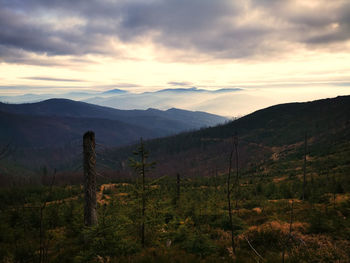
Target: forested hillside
point(49, 132)
point(273, 134)
point(273, 186)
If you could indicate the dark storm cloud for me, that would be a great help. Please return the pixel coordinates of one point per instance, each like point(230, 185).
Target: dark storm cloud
point(216, 29)
point(340, 32)
point(18, 30)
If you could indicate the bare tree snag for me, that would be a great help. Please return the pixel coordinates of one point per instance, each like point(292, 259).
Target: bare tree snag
point(334, 191)
point(5, 151)
point(43, 250)
point(229, 190)
point(178, 189)
point(290, 231)
point(143, 172)
point(304, 168)
point(89, 163)
point(235, 144)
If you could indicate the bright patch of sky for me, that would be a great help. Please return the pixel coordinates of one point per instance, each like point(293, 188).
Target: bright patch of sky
point(276, 51)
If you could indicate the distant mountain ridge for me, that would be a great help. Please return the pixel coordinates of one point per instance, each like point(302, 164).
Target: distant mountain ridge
point(194, 89)
point(69, 119)
point(189, 98)
point(72, 95)
point(34, 131)
point(115, 91)
point(90, 95)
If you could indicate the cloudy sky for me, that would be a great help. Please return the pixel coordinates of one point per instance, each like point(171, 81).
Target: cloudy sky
point(53, 46)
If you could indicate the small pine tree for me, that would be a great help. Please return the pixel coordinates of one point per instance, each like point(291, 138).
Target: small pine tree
point(141, 166)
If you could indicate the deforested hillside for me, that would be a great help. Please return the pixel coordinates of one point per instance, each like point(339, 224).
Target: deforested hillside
point(272, 186)
point(275, 133)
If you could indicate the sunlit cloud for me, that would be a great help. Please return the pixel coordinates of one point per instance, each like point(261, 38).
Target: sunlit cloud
point(138, 45)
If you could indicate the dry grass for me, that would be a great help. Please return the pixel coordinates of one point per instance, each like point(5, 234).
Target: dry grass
point(279, 179)
point(258, 210)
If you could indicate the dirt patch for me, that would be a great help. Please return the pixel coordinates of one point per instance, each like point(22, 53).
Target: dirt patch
point(279, 179)
point(258, 210)
point(101, 198)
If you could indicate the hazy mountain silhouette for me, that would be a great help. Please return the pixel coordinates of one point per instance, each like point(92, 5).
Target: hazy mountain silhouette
point(226, 101)
point(57, 122)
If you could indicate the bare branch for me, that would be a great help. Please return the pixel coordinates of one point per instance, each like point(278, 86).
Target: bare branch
point(5, 151)
point(256, 252)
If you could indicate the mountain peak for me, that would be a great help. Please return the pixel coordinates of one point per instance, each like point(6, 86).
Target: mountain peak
point(115, 91)
point(181, 90)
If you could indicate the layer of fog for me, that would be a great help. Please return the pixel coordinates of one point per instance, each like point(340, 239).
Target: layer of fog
point(228, 103)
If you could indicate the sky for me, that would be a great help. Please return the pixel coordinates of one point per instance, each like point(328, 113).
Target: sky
point(279, 48)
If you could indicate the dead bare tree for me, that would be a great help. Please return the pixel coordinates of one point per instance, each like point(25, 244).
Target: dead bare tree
point(304, 167)
point(235, 145)
point(229, 191)
point(290, 230)
point(215, 177)
point(43, 250)
point(178, 189)
point(334, 184)
point(89, 163)
point(259, 257)
point(5, 151)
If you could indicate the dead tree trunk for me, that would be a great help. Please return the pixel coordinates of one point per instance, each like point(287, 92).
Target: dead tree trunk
point(229, 190)
point(44, 246)
point(334, 191)
point(304, 167)
point(90, 208)
point(290, 231)
point(5, 151)
point(215, 178)
point(143, 171)
point(235, 144)
point(178, 189)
